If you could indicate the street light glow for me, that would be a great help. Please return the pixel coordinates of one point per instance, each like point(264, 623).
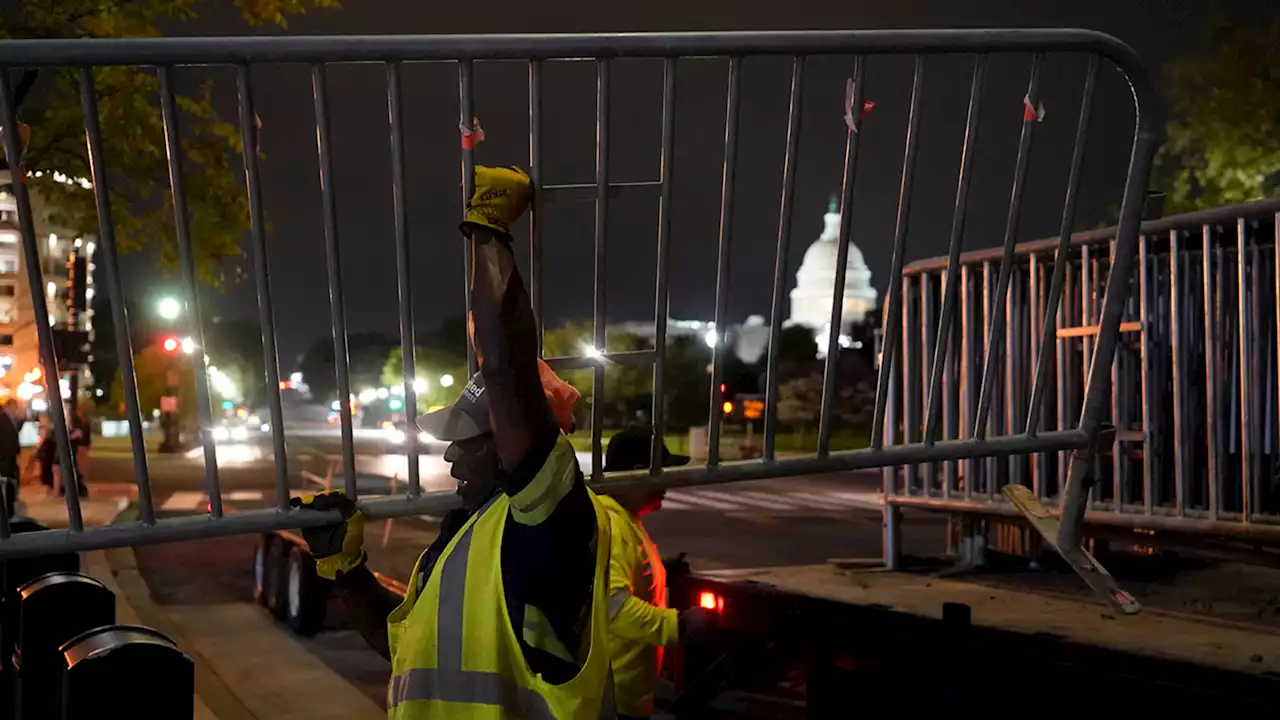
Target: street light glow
point(446, 381)
point(188, 346)
point(419, 385)
point(169, 308)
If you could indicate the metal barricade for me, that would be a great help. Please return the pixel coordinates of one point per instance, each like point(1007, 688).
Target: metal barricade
point(167, 56)
point(1194, 392)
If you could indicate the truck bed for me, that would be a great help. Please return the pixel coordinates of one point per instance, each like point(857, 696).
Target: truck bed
point(1170, 636)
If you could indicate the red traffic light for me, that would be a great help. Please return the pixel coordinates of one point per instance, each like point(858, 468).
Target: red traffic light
point(170, 344)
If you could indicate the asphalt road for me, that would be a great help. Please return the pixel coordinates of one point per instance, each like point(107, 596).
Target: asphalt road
point(745, 525)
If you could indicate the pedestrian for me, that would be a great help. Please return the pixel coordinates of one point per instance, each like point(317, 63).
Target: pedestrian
point(640, 623)
point(10, 447)
point(511, 620)
point(45, 456)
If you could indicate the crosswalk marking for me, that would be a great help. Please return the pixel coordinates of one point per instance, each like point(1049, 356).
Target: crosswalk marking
point(699, 499)
point(185, 500)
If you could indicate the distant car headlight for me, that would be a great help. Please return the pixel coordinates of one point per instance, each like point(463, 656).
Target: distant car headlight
point(396, 436)
point(424, 438)
point(240, 433)
point(265, 427)
point(221, 434)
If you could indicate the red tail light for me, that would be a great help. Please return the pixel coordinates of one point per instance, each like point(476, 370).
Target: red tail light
point(708, 600)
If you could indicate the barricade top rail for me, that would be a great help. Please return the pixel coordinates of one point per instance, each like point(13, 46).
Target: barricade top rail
point(1256, 209)
point(244, 53)
point(383, 48)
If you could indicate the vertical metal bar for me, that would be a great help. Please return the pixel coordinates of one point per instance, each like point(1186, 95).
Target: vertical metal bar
point(1276, 360)
point(894, 311)
point(1048, 333)
point(989, 463)
point(1248, 479)
point(601, 263)
point(1214, 478)
point(722, 260)
point(910, 420)
point(199, 363)
point(1087, 279)
point(780, 261)
point(1012, 367)
point(262, 274)
point(468, 189)
point(997, 318)
point(662, 294)
point(953, 251)
point(967, 398)
point(1117, 408)
point(842, 257)
point(337, 311)
point(1145, 315)
point(1062, 362)
point(399, 207)
point(1177, 357)
point(949, 400)
point(535, 212)
point(1035, 315)
point(926, 352)
point(31, 254)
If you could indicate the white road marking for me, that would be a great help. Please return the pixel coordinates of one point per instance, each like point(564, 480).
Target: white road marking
point(698, 499)
point(669, 504)
point(185, 500)
point(744, 499)
point(243, 495)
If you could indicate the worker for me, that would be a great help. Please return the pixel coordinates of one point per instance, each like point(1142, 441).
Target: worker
point(511, 621)
point(640, 623)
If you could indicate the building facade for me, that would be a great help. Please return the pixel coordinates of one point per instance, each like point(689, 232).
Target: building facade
point(20, 368)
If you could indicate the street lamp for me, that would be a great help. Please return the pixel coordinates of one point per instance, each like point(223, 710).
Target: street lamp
point(169, 308)
point(446, 381)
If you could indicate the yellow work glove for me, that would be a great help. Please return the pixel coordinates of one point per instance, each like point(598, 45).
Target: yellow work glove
point(338, 547)
point(500, 198)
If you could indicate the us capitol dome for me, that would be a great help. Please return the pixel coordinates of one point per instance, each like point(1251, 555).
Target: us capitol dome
point(816, 279)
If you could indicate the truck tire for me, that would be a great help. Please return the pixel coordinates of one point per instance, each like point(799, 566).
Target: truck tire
point(305, 593)
point(273, 575)
point(260, 568)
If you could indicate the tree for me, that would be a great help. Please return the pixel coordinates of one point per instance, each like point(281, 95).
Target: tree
point(800, 401)
point(1223, 143)
point(366, 355)
point(429, 364)
point(132, 132)
point(627, 388)
point(151, 366)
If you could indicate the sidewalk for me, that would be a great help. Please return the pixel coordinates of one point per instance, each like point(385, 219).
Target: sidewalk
point(247, 666)
point(51, 511)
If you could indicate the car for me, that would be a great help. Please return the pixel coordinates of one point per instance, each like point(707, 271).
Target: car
point(397, 433)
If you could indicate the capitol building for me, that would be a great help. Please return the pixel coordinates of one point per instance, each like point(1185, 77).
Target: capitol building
point(810, 301)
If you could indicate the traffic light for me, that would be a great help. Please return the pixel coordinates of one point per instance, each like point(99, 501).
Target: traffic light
point(77, 285)
point(170, 344)
point(727, 408)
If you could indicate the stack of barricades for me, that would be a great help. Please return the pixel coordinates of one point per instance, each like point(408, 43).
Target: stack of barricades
point(64, 657)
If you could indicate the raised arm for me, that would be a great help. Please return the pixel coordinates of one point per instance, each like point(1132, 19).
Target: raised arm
point(503, 329)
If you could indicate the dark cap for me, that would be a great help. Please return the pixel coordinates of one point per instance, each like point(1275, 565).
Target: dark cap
point(629, 450)
point(467, 417)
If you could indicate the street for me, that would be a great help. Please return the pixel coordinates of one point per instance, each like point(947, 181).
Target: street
point(786, 521)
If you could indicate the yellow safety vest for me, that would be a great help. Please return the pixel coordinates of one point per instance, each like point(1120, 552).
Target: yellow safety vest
point(455, 655)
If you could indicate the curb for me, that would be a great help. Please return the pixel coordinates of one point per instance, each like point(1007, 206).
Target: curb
point(246, 667)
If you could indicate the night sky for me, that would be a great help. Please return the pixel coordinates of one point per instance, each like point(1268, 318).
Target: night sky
point(1157, 29)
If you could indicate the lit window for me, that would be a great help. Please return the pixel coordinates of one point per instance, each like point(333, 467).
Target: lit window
point(53, 241)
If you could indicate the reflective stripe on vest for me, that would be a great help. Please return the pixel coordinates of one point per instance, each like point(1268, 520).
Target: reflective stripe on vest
point(471, 687)
point(448, 681)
